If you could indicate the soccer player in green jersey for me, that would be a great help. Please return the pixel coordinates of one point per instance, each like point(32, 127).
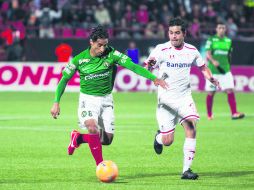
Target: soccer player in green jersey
point(97, 68)
point(218, 54)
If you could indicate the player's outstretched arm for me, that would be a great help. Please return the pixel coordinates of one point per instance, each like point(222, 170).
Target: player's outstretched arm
point(55, 110)
point(210, 58)
point(145, 73)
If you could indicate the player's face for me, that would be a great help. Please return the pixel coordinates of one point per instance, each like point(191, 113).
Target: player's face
point(221, 30)
point(176, 36)
point(98, 47)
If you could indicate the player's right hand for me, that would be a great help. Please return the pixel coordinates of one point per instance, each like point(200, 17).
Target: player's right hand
point(161, 82)
point(215, 82)
point(151, 63)
point(55, 110)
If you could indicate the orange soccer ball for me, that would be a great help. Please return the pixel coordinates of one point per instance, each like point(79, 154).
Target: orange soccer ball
point(107, 171)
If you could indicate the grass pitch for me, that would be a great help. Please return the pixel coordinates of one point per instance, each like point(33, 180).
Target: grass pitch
point(34, 155)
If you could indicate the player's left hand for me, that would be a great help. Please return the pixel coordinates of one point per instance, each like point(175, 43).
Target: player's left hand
point(215, 82)
point(160, 82)
point(55, 110)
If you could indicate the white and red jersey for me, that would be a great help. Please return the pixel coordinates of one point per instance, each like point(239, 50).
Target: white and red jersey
point(174, 66)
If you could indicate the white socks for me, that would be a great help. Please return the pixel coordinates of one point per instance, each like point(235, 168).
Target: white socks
point(189, 149)
point(159, 138)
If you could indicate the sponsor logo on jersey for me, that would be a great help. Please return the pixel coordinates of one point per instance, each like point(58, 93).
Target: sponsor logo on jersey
point(83, 61)
point(220, 52)
point(180, 65)
point(94, 76)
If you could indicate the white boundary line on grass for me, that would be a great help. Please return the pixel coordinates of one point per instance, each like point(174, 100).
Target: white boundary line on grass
point(41, 128)
point(121, 116)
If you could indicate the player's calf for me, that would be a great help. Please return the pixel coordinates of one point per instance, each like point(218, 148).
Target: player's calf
point(106, 138)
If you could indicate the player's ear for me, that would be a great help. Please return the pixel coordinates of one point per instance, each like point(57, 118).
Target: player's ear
point(91, 42)
point(184, 33)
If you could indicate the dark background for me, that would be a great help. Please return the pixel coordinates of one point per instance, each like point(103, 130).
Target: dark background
point(44, 49)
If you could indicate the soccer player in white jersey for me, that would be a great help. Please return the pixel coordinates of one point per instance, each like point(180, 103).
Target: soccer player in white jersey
point(175, 104)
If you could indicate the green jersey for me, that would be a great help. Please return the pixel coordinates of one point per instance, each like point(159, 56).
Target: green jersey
point(97, 74)
point(220, 49)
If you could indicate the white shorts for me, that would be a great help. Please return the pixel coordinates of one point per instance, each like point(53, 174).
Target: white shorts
point(226, 82)
point(169, 113)
point(100, 108)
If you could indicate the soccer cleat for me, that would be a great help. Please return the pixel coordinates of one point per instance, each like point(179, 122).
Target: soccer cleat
point(210, 117)
point(157, 147)
point(73, 144)
point(238, 115)
point(189, 175)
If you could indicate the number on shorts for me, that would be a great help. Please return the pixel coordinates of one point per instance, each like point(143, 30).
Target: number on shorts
point(86, 113)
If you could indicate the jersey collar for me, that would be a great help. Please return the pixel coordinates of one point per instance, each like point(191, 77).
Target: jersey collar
point(177, 48)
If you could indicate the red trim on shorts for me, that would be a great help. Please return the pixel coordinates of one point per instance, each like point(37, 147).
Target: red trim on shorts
point(188, 117)
point(170, 131)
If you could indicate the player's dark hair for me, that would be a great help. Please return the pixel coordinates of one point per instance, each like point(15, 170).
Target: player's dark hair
point(178, 22)
point(220, 23)
point(98, 33)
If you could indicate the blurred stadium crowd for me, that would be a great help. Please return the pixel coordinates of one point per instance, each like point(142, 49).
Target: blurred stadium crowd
point(124, 18)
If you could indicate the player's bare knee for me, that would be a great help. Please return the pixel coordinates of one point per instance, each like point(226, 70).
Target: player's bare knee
point(92, 129)
point(91, 126)
point(167, 141)
point(211, 93)
point(229, 91)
